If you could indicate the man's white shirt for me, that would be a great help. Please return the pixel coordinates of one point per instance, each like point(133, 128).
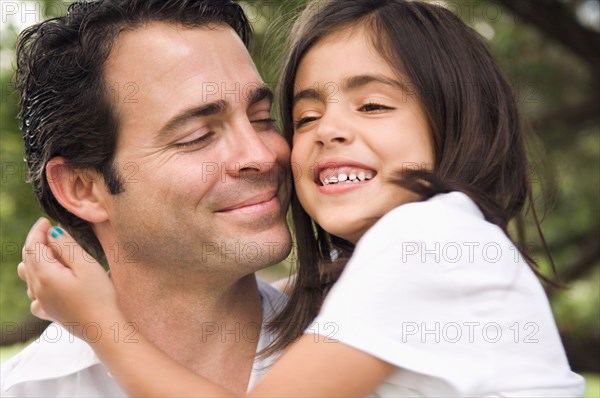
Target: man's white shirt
point(59, 364)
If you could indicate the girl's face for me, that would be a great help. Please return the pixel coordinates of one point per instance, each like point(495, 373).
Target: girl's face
point(356, 127)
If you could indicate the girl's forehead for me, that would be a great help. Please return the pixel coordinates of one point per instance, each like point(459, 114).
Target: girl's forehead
point(345, 53)
point(358, 35)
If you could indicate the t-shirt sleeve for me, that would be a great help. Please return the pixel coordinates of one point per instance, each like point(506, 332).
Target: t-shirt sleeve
point(437, 291)
point(404, 296)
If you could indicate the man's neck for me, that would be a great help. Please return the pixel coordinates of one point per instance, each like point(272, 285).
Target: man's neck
point(210, 326)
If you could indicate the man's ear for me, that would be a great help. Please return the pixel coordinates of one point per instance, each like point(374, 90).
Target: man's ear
point(80, 191)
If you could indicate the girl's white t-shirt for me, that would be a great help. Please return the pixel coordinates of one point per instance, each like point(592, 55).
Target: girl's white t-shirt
point(439, 292)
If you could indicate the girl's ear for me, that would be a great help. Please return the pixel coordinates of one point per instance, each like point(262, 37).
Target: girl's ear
point(80, 191)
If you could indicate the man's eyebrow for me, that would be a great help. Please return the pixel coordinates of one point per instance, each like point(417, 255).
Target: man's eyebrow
point(259, 94)
point(183, 117)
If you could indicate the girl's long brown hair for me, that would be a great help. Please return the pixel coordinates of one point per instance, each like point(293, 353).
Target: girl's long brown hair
point(477, 134)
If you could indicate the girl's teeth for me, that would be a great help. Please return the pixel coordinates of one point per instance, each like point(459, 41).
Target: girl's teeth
point(343, 177)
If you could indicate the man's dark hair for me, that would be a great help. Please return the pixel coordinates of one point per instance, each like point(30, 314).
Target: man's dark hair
point(66, 109)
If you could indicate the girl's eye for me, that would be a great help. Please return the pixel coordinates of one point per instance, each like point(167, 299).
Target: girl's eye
point(302, 121)
point(373, 107)
point(195, 142)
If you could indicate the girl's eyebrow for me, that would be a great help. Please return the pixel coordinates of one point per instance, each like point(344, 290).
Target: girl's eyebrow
point(307, 94)
point(359, 81)
point(348, 84)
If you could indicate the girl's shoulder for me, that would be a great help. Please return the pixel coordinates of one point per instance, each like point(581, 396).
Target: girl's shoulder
point(440, 208)
point(445, 217)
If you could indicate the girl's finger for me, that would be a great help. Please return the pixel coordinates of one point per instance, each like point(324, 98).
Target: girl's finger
point(35, 238)
point(30, 294)
point(38, 311)
point(22, 272)
point(67, 250)
point(39, 272)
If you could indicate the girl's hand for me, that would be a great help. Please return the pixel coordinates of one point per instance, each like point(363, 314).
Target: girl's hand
point(64, 283)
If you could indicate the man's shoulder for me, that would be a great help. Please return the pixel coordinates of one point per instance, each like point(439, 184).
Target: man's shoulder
point(272, 299)
point(56, 364)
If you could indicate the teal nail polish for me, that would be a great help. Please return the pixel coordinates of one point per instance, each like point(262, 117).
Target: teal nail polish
point(55, 232)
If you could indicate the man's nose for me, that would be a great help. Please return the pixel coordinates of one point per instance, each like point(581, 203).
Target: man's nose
point(250, 150)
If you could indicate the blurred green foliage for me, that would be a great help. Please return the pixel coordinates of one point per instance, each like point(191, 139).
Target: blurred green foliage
point(553, 86)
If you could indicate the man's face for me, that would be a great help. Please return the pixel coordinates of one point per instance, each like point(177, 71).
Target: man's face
point(205, 172)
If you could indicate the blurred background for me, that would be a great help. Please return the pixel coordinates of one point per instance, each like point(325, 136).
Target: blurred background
point(550, 50)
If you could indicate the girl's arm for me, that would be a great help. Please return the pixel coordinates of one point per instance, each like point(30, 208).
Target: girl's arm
point(66, 291)
point(311, 367)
